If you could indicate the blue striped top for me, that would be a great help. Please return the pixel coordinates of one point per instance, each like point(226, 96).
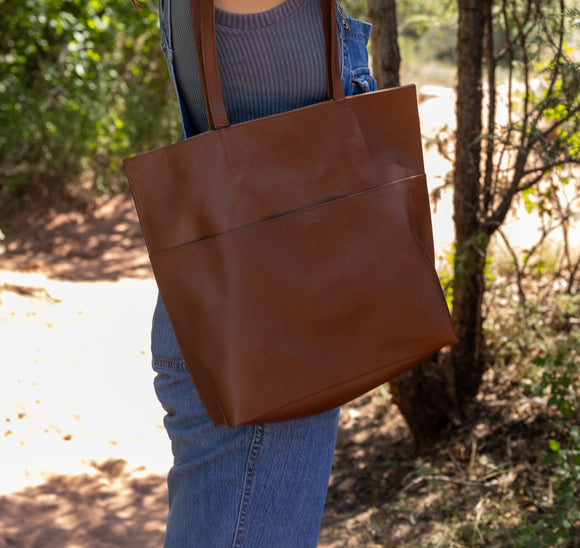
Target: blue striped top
point(269, 62)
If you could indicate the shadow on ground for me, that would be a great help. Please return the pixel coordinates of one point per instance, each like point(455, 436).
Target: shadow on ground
point(101, 241)
point(111, 508)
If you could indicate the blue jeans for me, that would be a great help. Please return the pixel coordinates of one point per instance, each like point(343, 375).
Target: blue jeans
point(252, 486)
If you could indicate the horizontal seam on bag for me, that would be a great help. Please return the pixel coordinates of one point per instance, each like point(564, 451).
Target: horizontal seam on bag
point(258, 224)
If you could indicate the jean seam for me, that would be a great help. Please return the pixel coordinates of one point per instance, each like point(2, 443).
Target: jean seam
point(249, 476)
point(168, 363)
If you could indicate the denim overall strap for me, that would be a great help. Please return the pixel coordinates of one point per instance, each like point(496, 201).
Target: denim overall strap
point(164, 7)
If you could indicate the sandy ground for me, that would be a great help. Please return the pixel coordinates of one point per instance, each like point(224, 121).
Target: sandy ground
point(75, 310)
point(82, 444)
point(76, 378)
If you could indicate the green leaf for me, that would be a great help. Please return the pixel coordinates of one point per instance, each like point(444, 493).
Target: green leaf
point(566, 410)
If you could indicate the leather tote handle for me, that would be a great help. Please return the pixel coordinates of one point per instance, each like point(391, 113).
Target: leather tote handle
point(203, 20)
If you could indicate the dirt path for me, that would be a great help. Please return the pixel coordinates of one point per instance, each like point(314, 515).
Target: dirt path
point(81, 437)
point(82, 444)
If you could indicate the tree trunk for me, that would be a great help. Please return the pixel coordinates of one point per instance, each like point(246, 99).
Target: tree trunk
point(384, 46)
point(422, 397)
point(430, 395)
point(471, 243)
point(420, 394)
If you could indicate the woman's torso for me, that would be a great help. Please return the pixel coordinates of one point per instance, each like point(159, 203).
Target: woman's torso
point(270, 62)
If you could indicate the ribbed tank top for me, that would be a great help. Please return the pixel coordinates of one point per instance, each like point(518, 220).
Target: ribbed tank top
point(269, 62)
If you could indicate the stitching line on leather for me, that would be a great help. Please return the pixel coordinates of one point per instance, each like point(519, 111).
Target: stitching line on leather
point(210, 239)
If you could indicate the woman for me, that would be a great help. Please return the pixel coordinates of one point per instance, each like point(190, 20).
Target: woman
point(263, 485)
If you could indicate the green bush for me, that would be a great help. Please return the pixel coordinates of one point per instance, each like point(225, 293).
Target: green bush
point(558, 523)
point(83, 83)
point(539, 336)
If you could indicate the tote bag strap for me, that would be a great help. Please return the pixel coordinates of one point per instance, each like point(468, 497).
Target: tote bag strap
point(203, 20)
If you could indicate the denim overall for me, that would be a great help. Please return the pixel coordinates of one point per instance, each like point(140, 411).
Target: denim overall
point(261, 486)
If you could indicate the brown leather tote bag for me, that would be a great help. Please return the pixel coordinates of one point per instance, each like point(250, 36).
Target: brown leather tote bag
point(293, 253)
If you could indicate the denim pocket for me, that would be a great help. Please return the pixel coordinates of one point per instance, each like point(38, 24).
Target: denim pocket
point(164, 347)
point(362, 81)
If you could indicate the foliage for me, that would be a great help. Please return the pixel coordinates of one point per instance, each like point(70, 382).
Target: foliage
point(538, 331)
point(532, 324)
point(560, 380)
point(510, 475)
point(355, 8)
point(532, 120)
point(539, 128)
point(83, 84)
point(445, 273)
point(417, 20)
point(536, 286)
point(427, 39)
point(424, 31)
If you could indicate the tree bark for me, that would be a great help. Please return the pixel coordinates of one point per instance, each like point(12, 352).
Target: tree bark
point(430, 395)
point(420, 394)
point(471, 241)
point(385, 53)
point(422, 397)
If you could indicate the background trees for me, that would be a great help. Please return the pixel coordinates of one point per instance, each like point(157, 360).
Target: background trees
point(385, 45)
point(515, 147)
point(496, 160)
point(73, 99)
point(539, 136)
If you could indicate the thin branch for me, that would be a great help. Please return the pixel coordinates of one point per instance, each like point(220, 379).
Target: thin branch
point(564, 215)
point(558, 123)
point(526, 66)
point(496, 219)
point(546, 231)
point(510, 77)
point(500, 213)
point(447, 479)
point(510, 41)
point(573, 271)
point(555, 61)
point(531, 183)
point(519, 273)
point(547, 167)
